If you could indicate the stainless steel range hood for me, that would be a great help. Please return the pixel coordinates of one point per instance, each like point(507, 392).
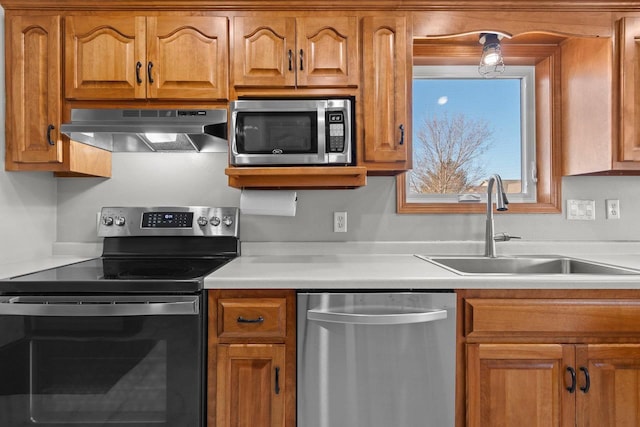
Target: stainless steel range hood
point(144, 130)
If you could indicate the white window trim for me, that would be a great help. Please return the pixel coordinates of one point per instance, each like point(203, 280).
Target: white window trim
point(528, 137)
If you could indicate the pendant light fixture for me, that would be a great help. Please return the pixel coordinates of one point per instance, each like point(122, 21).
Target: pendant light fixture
point(491, 61)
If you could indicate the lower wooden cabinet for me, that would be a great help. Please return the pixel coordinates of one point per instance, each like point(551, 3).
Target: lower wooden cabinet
point(251, 358)
point(550, 362)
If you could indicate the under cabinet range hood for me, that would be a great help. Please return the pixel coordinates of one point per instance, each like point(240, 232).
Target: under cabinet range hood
point(145, 130)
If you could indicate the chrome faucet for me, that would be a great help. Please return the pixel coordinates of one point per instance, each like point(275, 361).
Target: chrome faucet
point(501, 205)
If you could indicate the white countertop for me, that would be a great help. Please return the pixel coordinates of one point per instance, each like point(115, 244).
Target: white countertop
point(379, 265)
point(395, 271)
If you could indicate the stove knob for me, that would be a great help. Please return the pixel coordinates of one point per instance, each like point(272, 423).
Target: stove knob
point(120, 221)
point(215, 221)
point(227, 220)
point(107, 220)
point(202, 221)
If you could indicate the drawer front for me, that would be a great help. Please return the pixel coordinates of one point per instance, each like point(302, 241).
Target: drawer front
point(551, 317)
point(252, 318)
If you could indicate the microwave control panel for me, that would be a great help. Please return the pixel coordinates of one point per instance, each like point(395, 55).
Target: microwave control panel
point(336, 131)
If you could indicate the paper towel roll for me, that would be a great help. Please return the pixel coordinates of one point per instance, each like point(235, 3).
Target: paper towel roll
point(268, 202)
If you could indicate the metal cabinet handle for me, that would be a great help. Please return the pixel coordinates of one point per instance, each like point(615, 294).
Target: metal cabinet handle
point(290, 55)
point(277, 387)
point(138, 67)
point(301, 59)
point(401, 127)
point(149, 67)
point(377, 319)
point(572, 387)
point(587, 380)
point(49, 140)
point(259, 319)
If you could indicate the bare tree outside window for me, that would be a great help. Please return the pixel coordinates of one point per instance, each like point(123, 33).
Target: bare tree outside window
point(448, 154)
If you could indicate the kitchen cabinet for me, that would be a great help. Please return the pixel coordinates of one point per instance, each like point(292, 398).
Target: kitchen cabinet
point(628, 151)
point(154, 57)
point(251, 358)
point(283, 51)
point(552, 361)
point(34, 102)
point(387, 95)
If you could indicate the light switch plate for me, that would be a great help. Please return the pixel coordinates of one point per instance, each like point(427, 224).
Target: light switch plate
point(581, 210)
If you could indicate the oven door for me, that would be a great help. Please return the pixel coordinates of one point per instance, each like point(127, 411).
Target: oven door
point(120, 361)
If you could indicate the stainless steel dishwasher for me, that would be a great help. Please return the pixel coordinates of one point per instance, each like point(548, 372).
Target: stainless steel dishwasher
point(376, 359)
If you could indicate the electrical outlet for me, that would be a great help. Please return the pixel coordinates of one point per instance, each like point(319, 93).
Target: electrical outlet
point(613, 208)
point(339, 222)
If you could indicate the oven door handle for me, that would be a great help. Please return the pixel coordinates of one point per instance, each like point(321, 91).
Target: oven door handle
point(100, 306)
point(377, 318)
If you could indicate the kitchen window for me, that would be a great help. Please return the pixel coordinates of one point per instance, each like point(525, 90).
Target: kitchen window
point(467, 128)
point(513, 122)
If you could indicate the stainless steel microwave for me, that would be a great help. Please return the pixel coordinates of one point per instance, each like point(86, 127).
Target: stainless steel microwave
point(292, 132)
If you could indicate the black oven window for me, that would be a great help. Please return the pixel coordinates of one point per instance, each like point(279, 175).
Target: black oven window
point(290, 133)
point(98, 381)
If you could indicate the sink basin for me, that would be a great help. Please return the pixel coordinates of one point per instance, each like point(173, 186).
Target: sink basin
point(524, 265)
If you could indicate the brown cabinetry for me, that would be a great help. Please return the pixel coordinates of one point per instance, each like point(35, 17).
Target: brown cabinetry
point(279, 51)
point(552, 361)
point(387, 94)
point(34, 102)
point(251, 374)
point(137, 57)
point(628, 152)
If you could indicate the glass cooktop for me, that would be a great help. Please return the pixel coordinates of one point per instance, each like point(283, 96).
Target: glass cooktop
point(119, 274)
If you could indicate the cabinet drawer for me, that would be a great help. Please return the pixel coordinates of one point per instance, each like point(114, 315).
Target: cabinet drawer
point(551, 317)
point(252, 317)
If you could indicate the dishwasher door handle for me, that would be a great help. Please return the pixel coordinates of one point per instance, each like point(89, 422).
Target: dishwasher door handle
point(103, 306)
point(377, 318)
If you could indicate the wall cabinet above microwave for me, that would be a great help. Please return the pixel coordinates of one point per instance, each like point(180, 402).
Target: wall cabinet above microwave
point(155, 57)
point(277, 51)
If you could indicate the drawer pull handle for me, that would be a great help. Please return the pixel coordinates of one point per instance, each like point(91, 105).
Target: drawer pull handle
point(587, 379)
point(49, 129)
point(241, 319)
point(138, 66)
point(277, 388)
point(572, 387)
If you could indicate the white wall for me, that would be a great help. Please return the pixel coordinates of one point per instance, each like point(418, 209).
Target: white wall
point(199, 179)
point(28, 202)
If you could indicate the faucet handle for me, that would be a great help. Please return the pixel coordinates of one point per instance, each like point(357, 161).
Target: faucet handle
point(504, 237)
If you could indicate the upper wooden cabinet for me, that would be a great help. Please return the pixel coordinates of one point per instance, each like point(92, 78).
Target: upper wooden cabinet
point(629, 91)
point(275, 51)
point(387, 94)
point(137, 57)
point(34, 103)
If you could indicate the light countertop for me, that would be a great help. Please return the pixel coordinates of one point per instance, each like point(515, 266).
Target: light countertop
point(379, 265)
point(395, 271)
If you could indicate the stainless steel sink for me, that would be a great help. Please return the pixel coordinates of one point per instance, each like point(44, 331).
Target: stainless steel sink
point(524, 265)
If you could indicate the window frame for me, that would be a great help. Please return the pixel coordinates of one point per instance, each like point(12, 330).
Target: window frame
point(526, 75)
point(548, 130)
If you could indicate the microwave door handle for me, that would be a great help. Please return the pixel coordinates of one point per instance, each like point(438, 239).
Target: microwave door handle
point(323, 154)
point(377, 319)
point(97, 306)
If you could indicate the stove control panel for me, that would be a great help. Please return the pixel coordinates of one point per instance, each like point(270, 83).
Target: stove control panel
point(169, 221)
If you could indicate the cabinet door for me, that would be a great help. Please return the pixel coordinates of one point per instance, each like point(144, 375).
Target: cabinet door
point(629, 58)
point(264, 51)
point(520, 385)
point(187, 57)
point(386, 91)
point(105, 57)
point(327, 51)
point(609, 385)
point(33, 90)
point(251, 384)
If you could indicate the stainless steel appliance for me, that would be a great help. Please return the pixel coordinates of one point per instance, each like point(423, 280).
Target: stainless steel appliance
point(376, 359)
point(292, 132)
point(149, 130)
point(118, 340)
